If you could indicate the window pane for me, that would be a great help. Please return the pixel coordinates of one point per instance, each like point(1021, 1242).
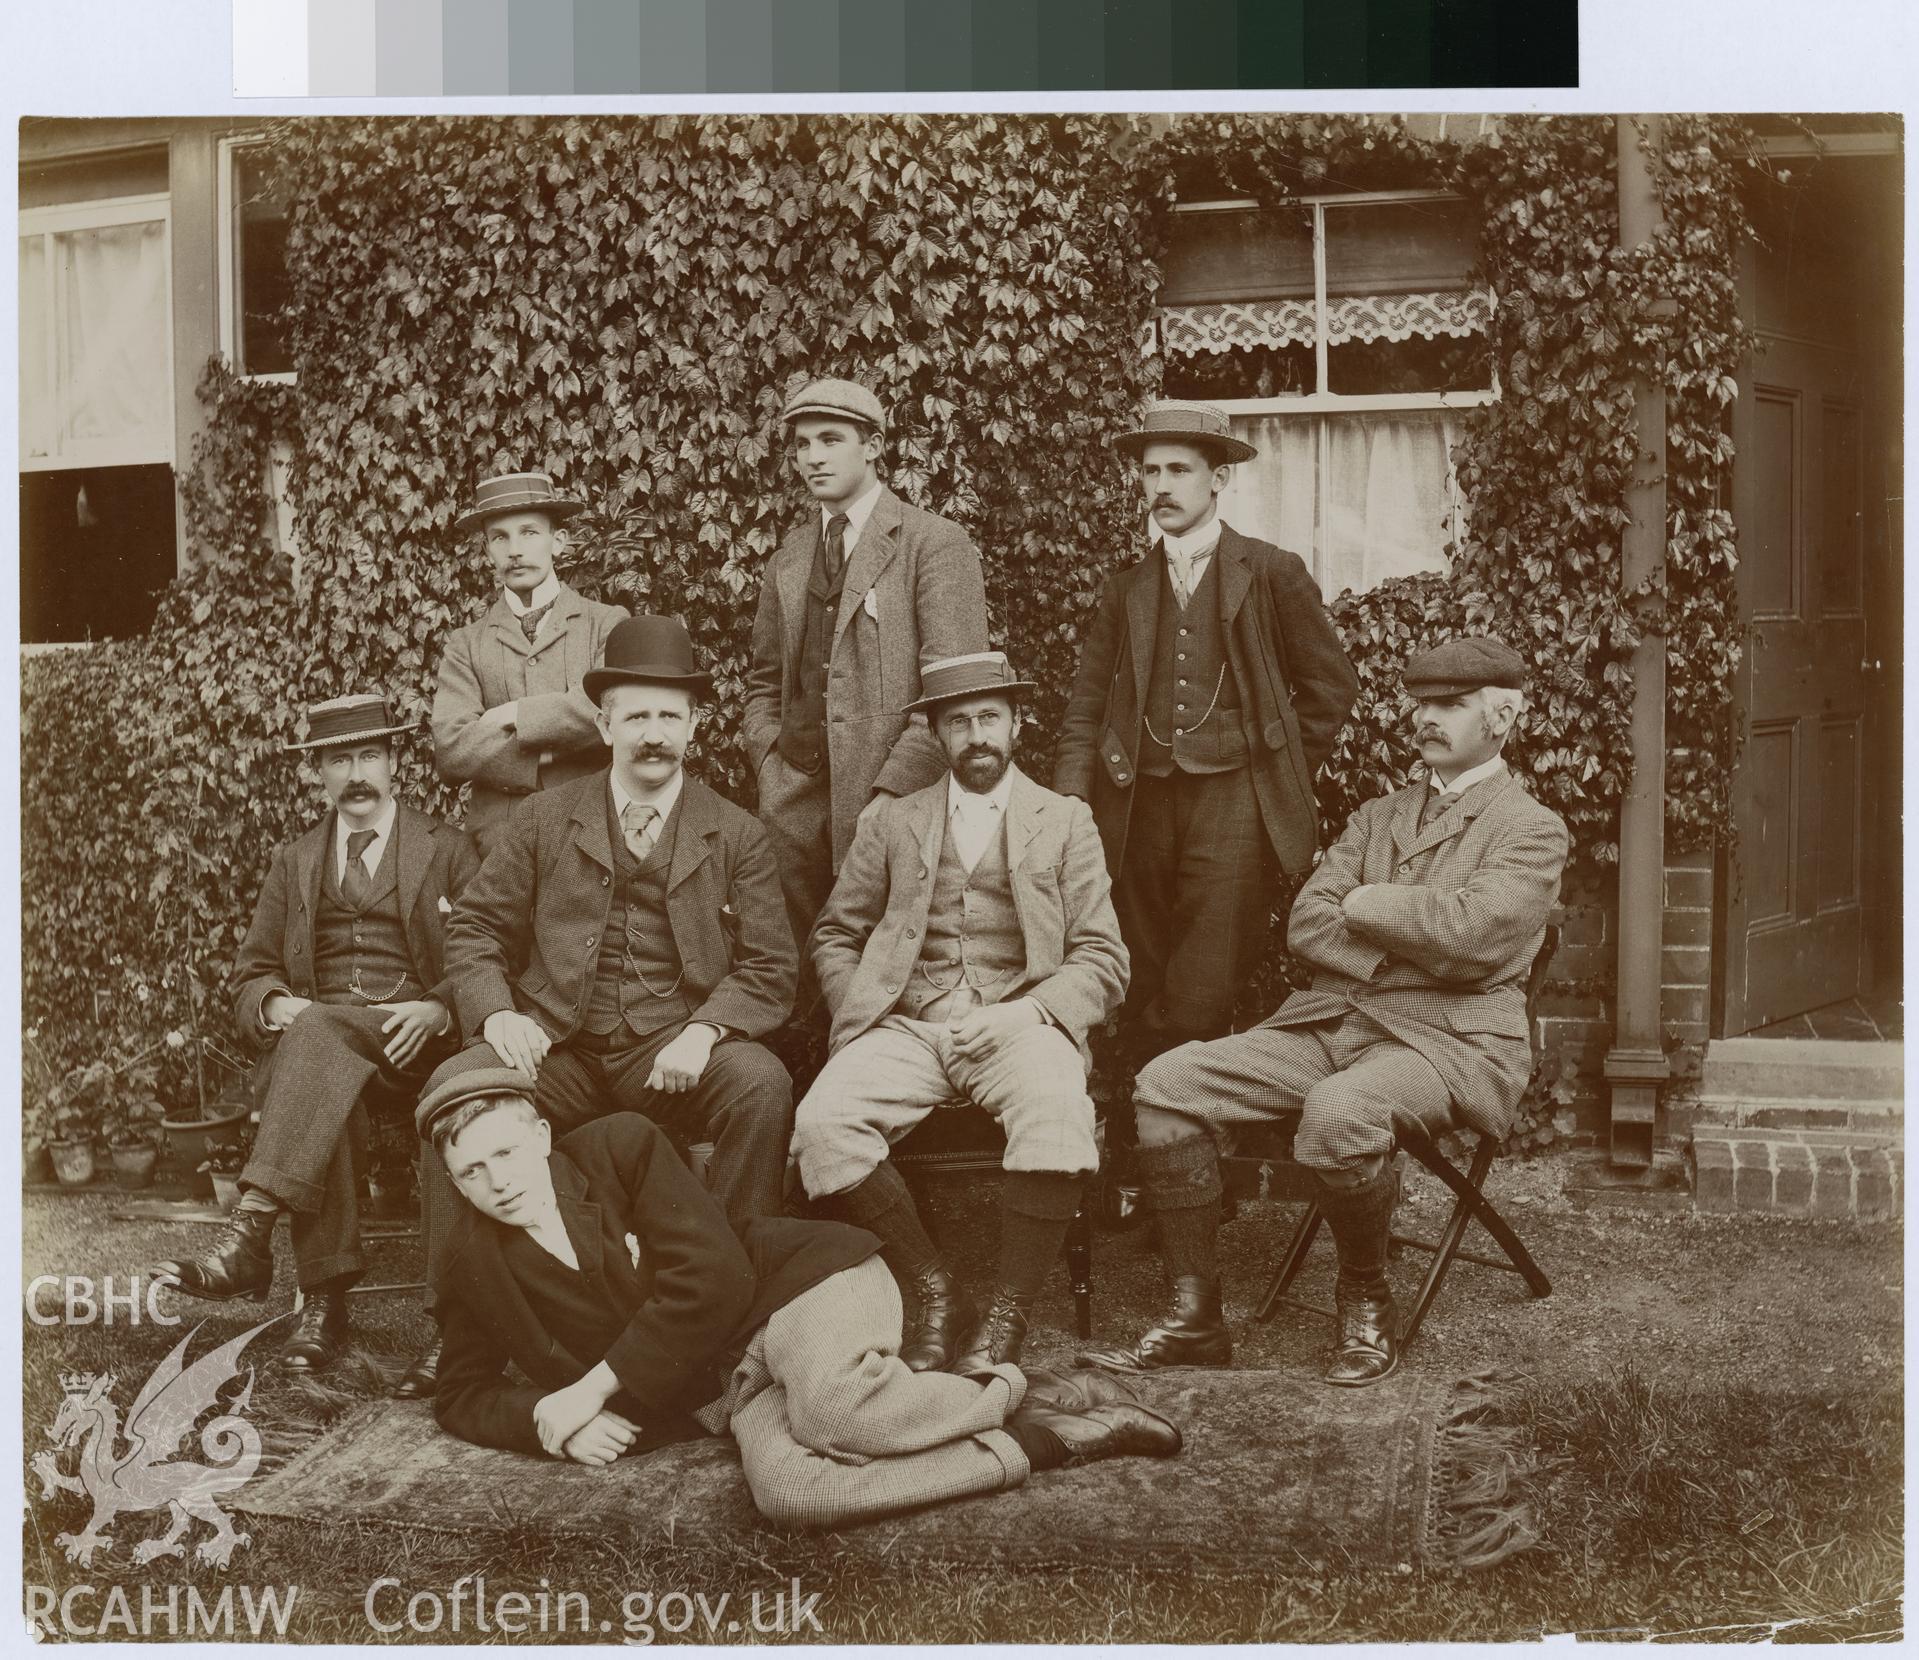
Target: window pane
point(1403, 313)
point(1400, 247)
point(1239, 254)
point(114, 294)
point(1241, 372)
point(36, 394)
point(1382, 504)
point(96, 548)
point(1414, 364)
point(260, 277)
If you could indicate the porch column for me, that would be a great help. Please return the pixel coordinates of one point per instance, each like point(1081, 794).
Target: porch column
point(1636, 1064)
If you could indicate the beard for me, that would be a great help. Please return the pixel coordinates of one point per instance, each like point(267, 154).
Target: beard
point(980, 768)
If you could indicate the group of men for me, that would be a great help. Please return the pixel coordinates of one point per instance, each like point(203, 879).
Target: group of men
point(576, 990)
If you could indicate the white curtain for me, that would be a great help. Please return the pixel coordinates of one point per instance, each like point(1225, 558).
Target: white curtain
point(1360, 497)
point(36, 392)
point(115, 281)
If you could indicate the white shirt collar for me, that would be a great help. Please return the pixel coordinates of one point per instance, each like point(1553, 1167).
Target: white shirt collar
point(664, 802)
point(1196, 543)
point(1471, 776)
point(381, 827)
point(547, 592)
point(994, 800)
point(857, 513)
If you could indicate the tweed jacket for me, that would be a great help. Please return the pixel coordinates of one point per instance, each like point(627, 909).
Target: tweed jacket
point(870, 933)
point(486, 664)
point(657, 1244)
point(1433, 932)
point(433, 863)
point(1295, 689)
point(913, 594)
point(526, 933)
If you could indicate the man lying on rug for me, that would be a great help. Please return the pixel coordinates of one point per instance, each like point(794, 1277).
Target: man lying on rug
point(603, 1269)
point(1421, 924)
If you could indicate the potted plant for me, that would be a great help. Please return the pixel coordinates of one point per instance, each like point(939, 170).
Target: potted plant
point(191, 1138)
point(71, 1143)
point(132, 1126)
point(225, 1159)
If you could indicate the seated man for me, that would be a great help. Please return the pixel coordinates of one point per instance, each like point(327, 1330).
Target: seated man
point(603, 1270)
point(626, 943)
point(340, 994)
point(1422, 922)
point(967, 947)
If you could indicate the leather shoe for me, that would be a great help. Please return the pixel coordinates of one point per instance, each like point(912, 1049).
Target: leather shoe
point(933, 1336)
point(1076, 1392)
point(321, 1334)
point(239, 1263)
point(998, 1339)
point(422, 1377)
point(1368, 1350)
point(1194, 1334)
point(1117, 1429)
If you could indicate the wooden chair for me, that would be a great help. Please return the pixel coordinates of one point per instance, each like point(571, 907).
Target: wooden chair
point(947, 1142)
point(1470, 1204)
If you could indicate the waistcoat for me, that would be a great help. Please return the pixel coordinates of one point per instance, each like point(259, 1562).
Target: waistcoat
point(638, 927)
point(973, 937)
point(1186, 728)
point(372, 940)
point(803, 718)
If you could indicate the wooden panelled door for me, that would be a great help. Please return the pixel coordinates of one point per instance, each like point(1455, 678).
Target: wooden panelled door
point(1794, 935)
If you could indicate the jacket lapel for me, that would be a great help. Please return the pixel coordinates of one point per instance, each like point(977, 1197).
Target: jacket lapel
point(699, 823)
point(1411, 840)
point(307, 856)
point(576, 644)
point(473, 1255)
point(1025, 818)
point(929, 830)
point(874, 551)
point(590, 834)
point(580, 1215)
point(792, 565)
point(1235, 574)
point(412, 854)
point(505, 629)
point(1142, 619)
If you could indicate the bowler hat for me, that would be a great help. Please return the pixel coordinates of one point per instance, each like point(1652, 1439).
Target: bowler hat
point(977, 674)
point(466, 1086)
point(516, 493)
point(1171, 421)
point(1464, 665)
point(648, 651)
point(350, 720)
point(846, 399)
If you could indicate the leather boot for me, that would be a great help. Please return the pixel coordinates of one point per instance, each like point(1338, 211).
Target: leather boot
point(1361, 1220)
point(1193, 1334)
point(239, 1262)
point(422, 1377)
point(943, 1314)
point(1112, 1430)
point(322, 1332)
point(1076, 1391)
point(998, 1338)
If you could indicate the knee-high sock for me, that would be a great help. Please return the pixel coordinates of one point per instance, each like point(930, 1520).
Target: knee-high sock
point(1182, 1186)
point(1036, 1208)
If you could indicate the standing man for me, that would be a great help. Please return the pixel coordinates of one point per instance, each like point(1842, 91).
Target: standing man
point(343, 1000)
point(1210, 690)
point(857, 601)
point(967, 948)
point(1421, 924)
point(510, 715)
point(625, 943)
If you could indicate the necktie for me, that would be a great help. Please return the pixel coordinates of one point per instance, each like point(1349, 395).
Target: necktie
point(835, 546)
point(530, 621)
point(1437, 803)
point(356, 887)
point(640, 827)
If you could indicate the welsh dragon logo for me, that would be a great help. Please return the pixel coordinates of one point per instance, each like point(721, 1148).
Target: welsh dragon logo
point(145, 1476)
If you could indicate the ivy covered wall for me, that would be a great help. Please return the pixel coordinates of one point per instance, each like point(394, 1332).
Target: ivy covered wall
point(623, 302)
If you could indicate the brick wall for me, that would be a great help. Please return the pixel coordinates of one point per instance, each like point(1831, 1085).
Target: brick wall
point(1575, 1009)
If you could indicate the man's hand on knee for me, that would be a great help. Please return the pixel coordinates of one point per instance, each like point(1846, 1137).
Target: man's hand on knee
point(280, 1010)
point(682, 1063)
point(977, 1035)
point(518, 1039)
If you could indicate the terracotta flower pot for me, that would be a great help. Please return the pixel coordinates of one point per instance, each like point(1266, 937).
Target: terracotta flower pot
point(133, 1166)
point(72, 1162)
point(189, 1138)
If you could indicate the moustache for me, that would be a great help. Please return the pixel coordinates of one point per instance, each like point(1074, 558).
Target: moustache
point(652, 752)
point(357, 792)
point(1428, 736)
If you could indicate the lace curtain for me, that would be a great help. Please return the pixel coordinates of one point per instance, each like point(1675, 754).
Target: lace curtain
point(1360, 497)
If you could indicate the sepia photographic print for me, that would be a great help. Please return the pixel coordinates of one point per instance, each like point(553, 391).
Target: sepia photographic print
point(884, 876)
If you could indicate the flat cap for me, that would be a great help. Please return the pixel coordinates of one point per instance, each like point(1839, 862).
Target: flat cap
point(466, 1086)
point(844, 398)
point(1464, 665)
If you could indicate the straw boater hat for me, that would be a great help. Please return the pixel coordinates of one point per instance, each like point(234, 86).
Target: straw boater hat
point(974, 675)
point(516, 493)
point(846, 399)
point(649, 651)
point(350, 720)
point(1169, 421)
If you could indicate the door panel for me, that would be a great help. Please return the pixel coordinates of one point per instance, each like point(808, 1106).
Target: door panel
point(1793, 920)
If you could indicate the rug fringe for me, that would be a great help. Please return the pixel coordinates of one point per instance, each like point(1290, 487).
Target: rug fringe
point(1482, 1498)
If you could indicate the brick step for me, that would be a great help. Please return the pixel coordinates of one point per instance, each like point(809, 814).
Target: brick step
point(1805, 1070)
point(1883, 1117)
point(1829, 1175)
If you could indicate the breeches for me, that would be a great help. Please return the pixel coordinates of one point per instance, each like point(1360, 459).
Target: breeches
point(1349, 1080)
point(1195, 901)
point(833, 1426)
point(889, 1078)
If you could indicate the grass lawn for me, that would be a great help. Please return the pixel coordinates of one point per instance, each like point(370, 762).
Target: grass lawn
point(1711, 1493)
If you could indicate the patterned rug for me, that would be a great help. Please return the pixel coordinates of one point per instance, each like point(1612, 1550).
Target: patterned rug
point(1276, 1471)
